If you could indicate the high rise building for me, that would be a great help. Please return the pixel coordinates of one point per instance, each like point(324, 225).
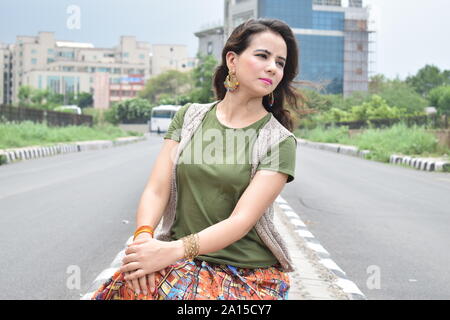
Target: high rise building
point(333, 38)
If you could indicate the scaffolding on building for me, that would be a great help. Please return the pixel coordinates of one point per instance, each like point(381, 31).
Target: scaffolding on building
point(358, 51)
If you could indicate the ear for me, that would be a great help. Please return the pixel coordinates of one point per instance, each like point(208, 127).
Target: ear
point(231, 58)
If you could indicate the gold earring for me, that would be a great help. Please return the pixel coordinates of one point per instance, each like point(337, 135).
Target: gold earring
point(230, 83)
point(272, 100)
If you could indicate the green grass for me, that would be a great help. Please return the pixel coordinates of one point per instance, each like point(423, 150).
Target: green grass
point(27, 133)
point(399, 139)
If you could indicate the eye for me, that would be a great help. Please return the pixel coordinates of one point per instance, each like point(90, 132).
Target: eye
point(263, 55)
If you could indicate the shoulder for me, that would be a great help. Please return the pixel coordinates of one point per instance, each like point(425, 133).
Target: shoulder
point(184, 108)
point(289, 142)
point(275, 133)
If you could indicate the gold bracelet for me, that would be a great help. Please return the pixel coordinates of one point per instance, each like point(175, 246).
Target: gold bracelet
point(191, 246)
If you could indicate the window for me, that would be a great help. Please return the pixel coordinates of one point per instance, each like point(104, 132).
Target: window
point(66, 54)
point(209, 50)
point(162, 114)
point(53, 83)
point(103, 69)
point(33, 61)
point(125, 54)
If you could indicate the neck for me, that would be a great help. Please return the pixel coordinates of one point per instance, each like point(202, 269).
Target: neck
point(236, 106)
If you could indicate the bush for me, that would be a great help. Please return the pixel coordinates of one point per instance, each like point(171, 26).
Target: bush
point(399, 139)
point(27, 133)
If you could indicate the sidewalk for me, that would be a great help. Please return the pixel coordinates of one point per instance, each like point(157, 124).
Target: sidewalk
point(316, 276)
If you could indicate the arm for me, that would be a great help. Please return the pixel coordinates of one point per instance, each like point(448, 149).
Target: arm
point(259, 195)
point(156, 194)
point(261, 192)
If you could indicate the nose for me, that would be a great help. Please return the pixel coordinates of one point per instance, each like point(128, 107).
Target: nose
point(272, 67)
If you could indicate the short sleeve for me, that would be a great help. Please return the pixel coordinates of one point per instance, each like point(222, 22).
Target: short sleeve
point(281, 158)
point(174, 131)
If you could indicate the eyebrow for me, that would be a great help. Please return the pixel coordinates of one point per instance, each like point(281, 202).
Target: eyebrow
point(269, 53)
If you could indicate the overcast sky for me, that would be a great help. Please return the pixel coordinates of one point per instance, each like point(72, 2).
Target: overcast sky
point(410, 33)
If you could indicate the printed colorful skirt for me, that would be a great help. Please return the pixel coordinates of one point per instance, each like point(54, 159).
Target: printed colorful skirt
point(201, 280)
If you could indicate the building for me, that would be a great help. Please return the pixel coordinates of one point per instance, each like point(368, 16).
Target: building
point(5, 74)
point(64, 67)
point(166, 57)
point(71, 67)
point(333, 38)
point(211, 40)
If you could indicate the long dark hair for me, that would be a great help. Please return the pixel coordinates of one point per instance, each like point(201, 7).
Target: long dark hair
point(239, 40)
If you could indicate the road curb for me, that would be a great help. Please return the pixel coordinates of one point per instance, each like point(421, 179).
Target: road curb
point(12, 155)
point(425, 164)
point(335, 147)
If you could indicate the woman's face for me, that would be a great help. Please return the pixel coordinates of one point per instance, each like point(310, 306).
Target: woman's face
point(265, 57)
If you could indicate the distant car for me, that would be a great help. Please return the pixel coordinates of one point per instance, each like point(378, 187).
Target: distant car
point(74, 108)
point(161, 117)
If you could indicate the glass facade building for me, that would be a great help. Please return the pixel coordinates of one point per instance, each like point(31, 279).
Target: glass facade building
point(333, 52)
point(321, 56)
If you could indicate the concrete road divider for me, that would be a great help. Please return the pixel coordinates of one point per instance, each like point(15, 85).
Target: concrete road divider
point(33, 152)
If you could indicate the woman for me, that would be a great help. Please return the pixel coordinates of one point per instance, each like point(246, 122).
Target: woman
point(217, 239)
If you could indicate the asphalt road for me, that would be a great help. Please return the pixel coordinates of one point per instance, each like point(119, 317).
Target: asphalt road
point(386, 226)
point(62, 220)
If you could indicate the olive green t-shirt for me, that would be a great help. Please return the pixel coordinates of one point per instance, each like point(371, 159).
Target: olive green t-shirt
point(212, 174)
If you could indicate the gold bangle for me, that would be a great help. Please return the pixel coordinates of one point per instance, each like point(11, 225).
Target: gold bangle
point(191, 246)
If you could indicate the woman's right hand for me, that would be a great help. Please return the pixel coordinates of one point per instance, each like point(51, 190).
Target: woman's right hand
point(145, 284)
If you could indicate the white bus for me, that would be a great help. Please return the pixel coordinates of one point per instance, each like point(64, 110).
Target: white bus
point(161, 117)
point(74, 108)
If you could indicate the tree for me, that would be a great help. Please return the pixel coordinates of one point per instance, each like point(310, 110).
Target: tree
point(84, 100)
point(172, 82)
point(376, 83)
point(133, 109)
point(427, 78)
point(25, 94)
point(400, 94)
point(202, 77)
point(440, 98)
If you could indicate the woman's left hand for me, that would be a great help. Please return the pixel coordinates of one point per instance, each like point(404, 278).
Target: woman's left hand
point(149, 256)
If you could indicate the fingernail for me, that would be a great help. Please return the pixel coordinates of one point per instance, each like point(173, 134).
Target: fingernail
point(145, 292)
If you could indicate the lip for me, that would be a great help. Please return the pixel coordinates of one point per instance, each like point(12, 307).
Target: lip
point(268, 81)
